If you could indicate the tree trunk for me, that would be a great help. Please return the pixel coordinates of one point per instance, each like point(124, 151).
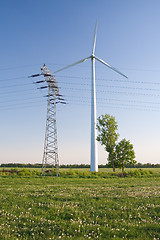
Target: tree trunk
point(123, 169)
point(112, 162)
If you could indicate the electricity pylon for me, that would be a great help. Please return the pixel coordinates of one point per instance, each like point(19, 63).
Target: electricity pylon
point(50, 155)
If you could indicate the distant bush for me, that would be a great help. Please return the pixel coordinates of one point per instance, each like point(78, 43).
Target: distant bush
point(85, 174)
point(136, 172)
point(25, 172)
point(71, 173)
point(139, 172)
point(19, 172)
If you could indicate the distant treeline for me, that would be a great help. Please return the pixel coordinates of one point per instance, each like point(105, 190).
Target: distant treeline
point(137, 165)
point(38, 165)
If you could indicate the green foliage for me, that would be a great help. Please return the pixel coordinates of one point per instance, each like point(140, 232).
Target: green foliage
point(21, 165)
point(25, 172)
point(121, 154)
point(72, 173)
point(19, 172)
point(140, 172)
point(124, 154)
point(107, 128)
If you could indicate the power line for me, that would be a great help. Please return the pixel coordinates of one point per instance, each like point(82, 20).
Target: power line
point(19, 99)
point(119, 67)
point(120, 106)
point(80, 66)
point(15, 104)
point(22, 106)
point(86, 84)
point(29, 91)
point(20, 66)
point(16, 85)
point(125, 81)
point(17, 91)
point(115, 92)
point(113, 99)
point(89, 78)
point(85, 102)
point(109, 86)
point(111, 80)
point(80, 98)
point(84, 99)
point(16, 78)
point(85, 90)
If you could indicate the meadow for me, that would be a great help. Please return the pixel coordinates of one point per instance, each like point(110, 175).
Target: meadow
point(80, 208)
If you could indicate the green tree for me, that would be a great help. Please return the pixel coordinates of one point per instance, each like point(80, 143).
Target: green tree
point(125, 154)
point(107, 128)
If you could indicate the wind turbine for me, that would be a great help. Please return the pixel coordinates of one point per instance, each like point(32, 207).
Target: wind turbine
point(93, 154)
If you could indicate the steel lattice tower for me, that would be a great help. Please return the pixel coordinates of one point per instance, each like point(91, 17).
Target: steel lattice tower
point(50, 155)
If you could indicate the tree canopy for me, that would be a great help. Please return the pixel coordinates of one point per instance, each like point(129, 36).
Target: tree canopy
point(124, 154)
point(120, 154)
point(107, 128)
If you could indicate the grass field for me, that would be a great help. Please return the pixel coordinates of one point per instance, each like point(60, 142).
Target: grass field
point(73, 208)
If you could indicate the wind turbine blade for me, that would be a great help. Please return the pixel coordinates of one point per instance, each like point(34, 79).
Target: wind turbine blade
point(71, 65)
point(94, 39)
point(108, 65)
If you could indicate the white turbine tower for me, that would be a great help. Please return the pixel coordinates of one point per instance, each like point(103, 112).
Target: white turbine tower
point(93, 154)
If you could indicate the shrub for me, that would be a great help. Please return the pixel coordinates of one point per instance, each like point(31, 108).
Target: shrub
point(136, 173)
point(25, 172)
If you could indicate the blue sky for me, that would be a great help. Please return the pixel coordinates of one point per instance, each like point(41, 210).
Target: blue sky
point(59, 33)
